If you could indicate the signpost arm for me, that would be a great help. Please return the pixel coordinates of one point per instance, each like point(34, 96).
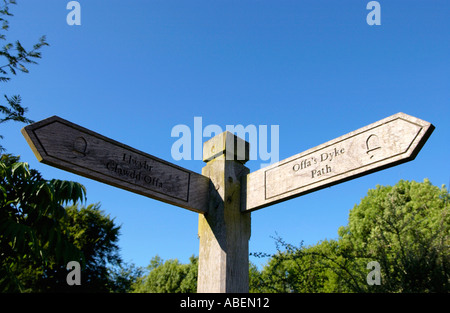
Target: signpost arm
point(78, 150)
point(224, 231)
point(386, 143)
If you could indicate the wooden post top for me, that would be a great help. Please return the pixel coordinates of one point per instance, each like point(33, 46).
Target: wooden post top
point(228, 144)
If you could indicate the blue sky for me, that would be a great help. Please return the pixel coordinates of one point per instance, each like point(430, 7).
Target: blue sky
point(134, 70)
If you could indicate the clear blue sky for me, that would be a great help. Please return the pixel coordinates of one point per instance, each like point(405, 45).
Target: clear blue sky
point(134, 70)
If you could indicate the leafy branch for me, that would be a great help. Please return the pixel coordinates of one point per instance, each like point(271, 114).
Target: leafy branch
point(17, 58)
point(22, 57)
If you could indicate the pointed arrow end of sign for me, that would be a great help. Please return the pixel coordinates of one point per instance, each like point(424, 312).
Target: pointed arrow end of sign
point(425, 129)
point(27, 132)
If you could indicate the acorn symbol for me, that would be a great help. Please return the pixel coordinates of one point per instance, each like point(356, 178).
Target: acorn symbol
point(372, 144)
point(80, 147)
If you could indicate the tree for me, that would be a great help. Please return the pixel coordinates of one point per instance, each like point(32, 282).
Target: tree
point(32, 229)
point(123, 277)
point(302, 269)
point(404, 228)
point(169, 277)
point(95, 235)
point(39, 236)
point(16, 59)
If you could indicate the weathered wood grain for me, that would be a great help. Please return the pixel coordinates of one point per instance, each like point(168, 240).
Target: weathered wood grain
point(389, 142)
point(70, 147)
point(232, 146)
point(224, 231)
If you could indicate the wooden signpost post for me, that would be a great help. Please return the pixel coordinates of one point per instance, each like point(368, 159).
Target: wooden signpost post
point(225, 193)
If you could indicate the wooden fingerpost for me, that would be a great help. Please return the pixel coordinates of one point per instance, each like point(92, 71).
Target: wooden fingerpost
point(226, 193)
point(224, 231)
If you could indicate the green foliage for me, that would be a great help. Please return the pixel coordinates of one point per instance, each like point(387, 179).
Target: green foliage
point(16, 59)
point(301, 269)
point(38, 236)
point(169, 277)
point(123, 277)
point(32, 228)
point(405, 228)
point(255, 279)
point(95, 235)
